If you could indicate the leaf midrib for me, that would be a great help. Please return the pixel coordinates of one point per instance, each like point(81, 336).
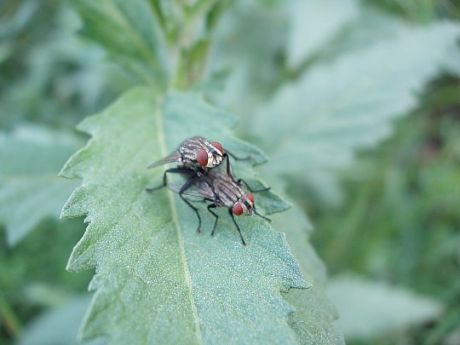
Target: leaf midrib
point(175, 220)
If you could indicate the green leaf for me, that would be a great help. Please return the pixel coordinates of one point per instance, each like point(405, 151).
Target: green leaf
point(337, 109)
point(315, 316)
point(453, 64)
point(57, 326)
point(157, 280)
point(368, 308)
point(54, 77)
point(314, 23)
point(241, 46)
point(131, 34)
point(30, 158)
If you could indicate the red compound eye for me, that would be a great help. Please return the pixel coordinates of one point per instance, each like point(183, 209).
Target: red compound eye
point(250, 196)
point(237, 209)
point(218, 146)
point(202, 157)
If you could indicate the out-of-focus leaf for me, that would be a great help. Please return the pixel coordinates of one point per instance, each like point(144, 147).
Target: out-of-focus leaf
point(46, 295)
point(335, 110)
point(130, 33)
point(30, 159)
point(55, 77)
point(404, 215)
point(14, 21)
point(58, 326)
point(367, 308)
point(314, 23)
point(241, 45)
point(157, 280)
point(453, 65)
point(367, 28)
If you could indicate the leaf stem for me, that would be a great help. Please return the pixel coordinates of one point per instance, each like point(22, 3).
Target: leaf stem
point(9, 318)
point(192, 49)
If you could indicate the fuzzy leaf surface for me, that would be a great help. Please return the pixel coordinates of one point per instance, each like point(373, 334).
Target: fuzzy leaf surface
point(30, 190)
point(157, 280)
point(339, 108)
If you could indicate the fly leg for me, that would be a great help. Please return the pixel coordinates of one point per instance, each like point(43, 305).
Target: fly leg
point(227, 167)
point(190, 182)
point(165, 179)
point(210, 206)
point(227, 163)
point(215, 195)
point(236, 157)
point(260, 215)
point(237, 226)
point(241, 181)
point(229, 170)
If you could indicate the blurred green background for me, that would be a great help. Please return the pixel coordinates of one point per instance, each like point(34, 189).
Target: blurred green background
point(397, 228)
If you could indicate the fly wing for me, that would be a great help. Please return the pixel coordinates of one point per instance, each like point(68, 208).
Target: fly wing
point(199, 190)
point(172, 158)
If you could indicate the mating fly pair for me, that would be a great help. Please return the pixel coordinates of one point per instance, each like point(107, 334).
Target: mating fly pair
point(197, 159)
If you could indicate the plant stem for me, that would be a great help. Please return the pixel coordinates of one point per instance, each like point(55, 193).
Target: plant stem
point(191, 51)
point(9, 318)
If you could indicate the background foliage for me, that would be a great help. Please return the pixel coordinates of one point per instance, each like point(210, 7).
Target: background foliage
point(357, 103)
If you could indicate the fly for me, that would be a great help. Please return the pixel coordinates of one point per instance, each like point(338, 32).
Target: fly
point(197, 155)
point(218, 189)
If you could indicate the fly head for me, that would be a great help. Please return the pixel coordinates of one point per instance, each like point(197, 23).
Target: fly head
point(245, 205)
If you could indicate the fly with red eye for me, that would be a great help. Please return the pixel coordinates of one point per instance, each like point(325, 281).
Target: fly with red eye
point(218, 189)
point(197, 154)
point(197, 157)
